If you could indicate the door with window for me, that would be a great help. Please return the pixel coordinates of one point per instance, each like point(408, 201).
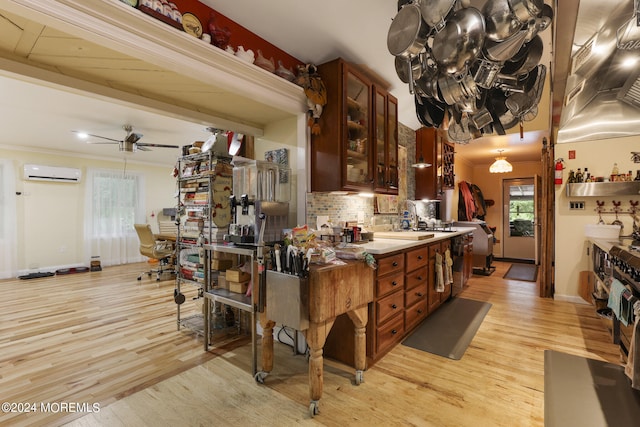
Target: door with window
point(519, 216)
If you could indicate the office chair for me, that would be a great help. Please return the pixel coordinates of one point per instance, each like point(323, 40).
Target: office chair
point(161, 250)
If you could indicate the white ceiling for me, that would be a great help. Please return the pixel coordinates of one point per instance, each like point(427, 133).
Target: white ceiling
point(43, 117)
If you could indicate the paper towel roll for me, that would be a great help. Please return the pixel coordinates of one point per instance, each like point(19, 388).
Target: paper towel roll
point(446, 206)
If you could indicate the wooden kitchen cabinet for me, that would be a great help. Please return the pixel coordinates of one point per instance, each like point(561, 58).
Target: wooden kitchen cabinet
point(404, 295)
point(358, 133)
point(435, 149)
point(385, 138)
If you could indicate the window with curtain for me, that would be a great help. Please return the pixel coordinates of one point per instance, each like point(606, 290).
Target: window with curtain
point(8, 221)
point(114, 201)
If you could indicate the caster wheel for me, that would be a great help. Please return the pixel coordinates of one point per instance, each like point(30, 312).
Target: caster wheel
point(139, 277)
point(359, 377)
point(260, 376)
point(314, 408)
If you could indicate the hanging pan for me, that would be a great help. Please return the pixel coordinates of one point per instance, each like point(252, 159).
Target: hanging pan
point(434, 12)
point(407, 36)
point(460, 42)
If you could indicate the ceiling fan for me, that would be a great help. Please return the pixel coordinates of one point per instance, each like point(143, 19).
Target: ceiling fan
point(129, 143)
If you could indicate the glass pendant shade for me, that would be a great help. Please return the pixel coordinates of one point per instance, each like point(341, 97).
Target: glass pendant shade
point(500, 166)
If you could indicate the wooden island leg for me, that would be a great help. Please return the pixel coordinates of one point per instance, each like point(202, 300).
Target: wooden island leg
point(359, 317)
point(267, 347)
point(316, 336)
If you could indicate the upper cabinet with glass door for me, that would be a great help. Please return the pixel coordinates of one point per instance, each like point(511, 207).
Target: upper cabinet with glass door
point(352, 140)
point(386, 141)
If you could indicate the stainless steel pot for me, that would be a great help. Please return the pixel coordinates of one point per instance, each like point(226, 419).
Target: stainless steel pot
point(408, 33)
point(434, 12)
point(403, 65)
point(526, 59)
point(460, 42)
point(407, 36)
point(500, 21)
point(526, 11)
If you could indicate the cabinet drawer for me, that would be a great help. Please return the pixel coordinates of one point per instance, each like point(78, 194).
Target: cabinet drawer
point(390, 264)
point(415, 314)
point(390, 333)
point(416, 294)
point(415, 278)
point(389, 284)
point(389, 305)
point(416, 258)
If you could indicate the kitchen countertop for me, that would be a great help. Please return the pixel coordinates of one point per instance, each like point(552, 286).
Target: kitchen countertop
point(607, 244)
point(381, 246)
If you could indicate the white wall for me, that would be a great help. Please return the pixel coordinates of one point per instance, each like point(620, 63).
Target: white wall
point(599, 157)
point(51, 214)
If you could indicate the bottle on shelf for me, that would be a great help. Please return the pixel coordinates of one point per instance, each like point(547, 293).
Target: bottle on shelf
point(615, 172)
point(587, 175)
point(572, 177)
point(579, 176)
point(637, 175)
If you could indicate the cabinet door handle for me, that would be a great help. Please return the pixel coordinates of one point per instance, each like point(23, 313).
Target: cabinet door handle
point(394, 306)
point(419, 311)
point(419, 294)
point(419, 256)
point(393, 332)
point(419, 278)
point(394, 283)
point(395, 263)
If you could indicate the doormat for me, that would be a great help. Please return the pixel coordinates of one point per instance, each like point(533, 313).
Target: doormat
point(526, 272)
point(35, 275)
point(586, 392)
point(449, 331)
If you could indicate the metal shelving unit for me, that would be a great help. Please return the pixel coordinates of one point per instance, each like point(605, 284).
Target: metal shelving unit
point(197, 213)
point(237, 300)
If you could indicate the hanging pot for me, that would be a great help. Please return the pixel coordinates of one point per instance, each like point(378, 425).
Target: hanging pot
point(460, 42)
point(408, 33)
point(462, 91)
point(526, 11)
point(434, 12)
point(542, 22)
point(531, 54)
point(407, 36)
point(500, 21)
point(429, 111)
point(404, 64)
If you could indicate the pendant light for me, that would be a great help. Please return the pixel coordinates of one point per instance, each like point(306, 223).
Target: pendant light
point(421, 164)
point(500, 165)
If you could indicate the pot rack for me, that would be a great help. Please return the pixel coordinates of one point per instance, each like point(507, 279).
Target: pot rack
point(633, 208)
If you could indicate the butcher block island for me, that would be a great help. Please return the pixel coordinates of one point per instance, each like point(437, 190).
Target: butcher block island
point(404, 294)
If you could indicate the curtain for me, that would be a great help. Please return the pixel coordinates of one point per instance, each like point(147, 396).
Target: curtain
point(8, 221)
point(114, 201)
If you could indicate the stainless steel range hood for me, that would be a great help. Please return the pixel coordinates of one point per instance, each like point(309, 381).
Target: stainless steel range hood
point(596, 96)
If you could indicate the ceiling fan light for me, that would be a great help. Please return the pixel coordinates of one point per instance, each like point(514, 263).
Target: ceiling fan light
point(501, 165)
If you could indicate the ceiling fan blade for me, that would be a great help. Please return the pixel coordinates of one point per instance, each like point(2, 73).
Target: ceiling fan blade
point(133, 137)
point(97, 136)
point(144, 144)
point(102, 142)
point(142, 148)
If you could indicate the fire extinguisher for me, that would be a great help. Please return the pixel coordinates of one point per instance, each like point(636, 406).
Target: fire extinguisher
point(558, 172)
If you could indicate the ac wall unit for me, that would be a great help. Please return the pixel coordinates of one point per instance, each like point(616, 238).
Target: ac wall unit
point(51, 173)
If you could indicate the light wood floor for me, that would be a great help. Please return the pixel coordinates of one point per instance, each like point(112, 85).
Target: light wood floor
point(105, 338)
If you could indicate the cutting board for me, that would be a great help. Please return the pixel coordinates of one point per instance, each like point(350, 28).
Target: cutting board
point(403, 235)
